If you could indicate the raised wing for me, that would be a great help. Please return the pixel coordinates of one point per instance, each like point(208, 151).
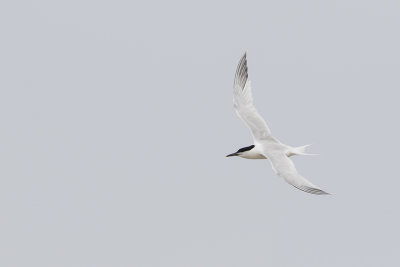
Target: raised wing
point(285, 168)
point(243, 104)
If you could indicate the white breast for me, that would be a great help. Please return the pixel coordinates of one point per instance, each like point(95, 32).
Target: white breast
point(252, 154)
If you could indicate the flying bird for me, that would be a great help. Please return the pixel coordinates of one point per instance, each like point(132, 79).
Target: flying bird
point(265, 145)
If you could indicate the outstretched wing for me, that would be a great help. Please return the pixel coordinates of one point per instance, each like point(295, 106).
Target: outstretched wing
point(285, 168)
point(243, 104)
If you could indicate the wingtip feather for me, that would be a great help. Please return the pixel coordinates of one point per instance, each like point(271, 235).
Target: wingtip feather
point(241, 75)
point(311, 190)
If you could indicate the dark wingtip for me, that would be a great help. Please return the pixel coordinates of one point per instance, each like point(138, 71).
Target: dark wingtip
point(242, 75)
point(311, 190)
point(319, 192)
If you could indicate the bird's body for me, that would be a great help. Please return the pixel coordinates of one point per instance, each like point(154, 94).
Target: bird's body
point(257, 151)
point(265, 145)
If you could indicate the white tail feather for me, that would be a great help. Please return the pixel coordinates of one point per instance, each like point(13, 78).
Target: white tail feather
point(300, 150)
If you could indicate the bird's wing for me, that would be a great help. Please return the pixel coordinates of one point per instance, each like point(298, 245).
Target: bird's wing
point(243, 104)
point(285, 168)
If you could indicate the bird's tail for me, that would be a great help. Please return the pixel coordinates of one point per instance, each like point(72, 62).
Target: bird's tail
point(301, 150)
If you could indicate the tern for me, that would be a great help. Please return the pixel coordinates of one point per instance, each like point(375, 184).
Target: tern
point(265, 145)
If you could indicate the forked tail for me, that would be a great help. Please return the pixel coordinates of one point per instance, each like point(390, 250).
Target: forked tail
point(300, 150)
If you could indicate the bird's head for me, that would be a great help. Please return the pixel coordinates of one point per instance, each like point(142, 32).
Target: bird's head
point(241, 151)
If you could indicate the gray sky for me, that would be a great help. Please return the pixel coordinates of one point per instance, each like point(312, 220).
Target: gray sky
point(116, 117)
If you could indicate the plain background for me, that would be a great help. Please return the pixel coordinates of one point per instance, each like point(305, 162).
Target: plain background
point(116, 117)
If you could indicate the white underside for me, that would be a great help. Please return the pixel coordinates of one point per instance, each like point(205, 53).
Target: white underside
point(257, 153)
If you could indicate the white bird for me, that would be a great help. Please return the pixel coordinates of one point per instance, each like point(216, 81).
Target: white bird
point(265, 145)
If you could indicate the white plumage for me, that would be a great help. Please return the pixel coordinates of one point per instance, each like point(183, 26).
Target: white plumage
point(265, 145)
